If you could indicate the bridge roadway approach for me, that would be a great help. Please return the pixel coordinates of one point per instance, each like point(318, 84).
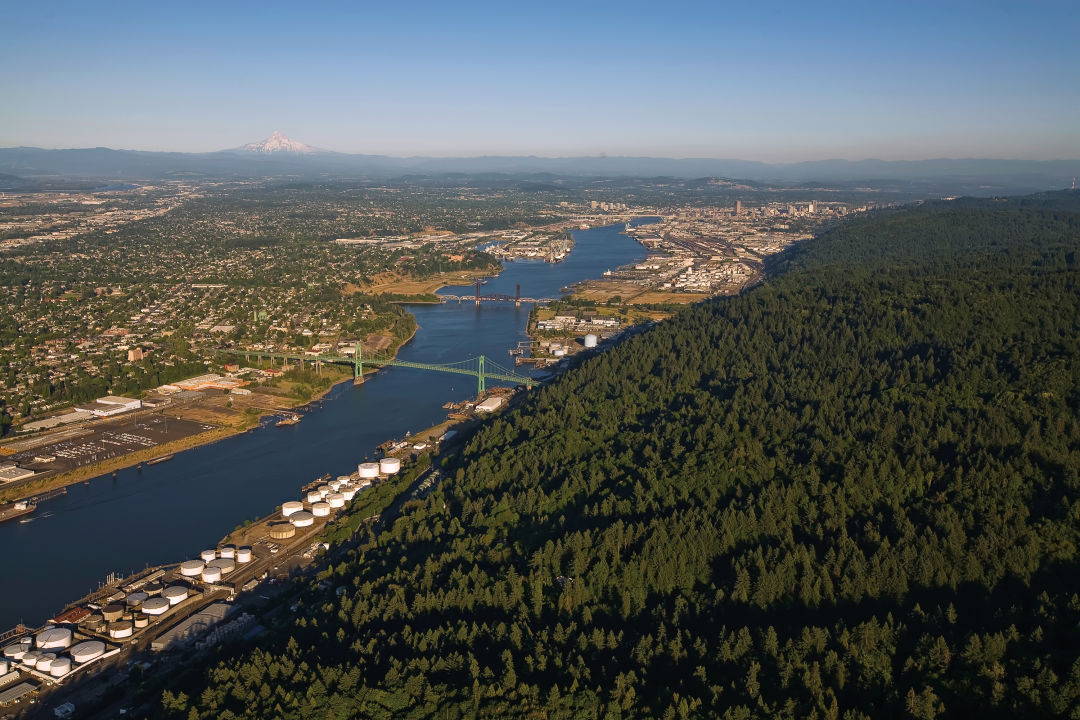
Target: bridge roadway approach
point(480, 366)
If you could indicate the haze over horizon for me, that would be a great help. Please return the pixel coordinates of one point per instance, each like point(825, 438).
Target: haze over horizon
point(788, 83)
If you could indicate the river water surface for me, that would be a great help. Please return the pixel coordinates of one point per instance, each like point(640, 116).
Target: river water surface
point(170, 511)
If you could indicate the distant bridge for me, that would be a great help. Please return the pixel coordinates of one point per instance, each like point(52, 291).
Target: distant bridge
point(495, 297)
point(479, 366)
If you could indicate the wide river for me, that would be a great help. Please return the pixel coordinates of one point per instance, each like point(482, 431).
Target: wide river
point(169, 512)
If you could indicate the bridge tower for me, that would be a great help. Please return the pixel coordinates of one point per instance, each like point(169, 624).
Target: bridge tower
point(477, 292)
point(517, 295)
point(358, 364)
point(480, 377)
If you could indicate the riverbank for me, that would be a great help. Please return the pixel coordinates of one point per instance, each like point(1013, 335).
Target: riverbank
point(244, 423)
point(393, 284)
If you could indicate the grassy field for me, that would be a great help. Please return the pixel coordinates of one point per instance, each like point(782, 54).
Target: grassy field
point(395, 284)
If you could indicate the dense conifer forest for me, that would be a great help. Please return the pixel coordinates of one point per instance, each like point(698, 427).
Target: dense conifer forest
point(851, 492)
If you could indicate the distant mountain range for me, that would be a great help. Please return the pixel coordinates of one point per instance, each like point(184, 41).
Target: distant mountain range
point(280, 156)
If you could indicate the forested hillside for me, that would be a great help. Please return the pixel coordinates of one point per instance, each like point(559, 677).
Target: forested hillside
point(852, 492)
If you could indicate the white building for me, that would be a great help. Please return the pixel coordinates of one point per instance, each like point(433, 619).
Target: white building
point(491, 404)
point(110, 405)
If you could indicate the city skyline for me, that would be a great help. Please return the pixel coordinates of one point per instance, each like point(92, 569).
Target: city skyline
point(779, 85)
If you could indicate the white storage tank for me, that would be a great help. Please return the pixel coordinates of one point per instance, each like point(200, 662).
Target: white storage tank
point(29, 660)
point(301, 519)
point(290, 507)
point(16, 654)
point(135, 598)
point(141, 620)
point(211, 574)
point(389, 465)
point(335, 500)
point(225, 565)
point(44, 662)
point(368, 470)
point(3, 666)
point(343, 479)
point(324, 490)
point(348, 493)
point(320, 509)
point(228, 552)
point(121, 629)
point(175, 594)
point(53, 638)
point(590, 341)
point(314, 496)
point(156, 606)
point(335, 485)
point(192, 568)
point(60, 667)
point(208, 555)
point(243, 554)
point(87, 651)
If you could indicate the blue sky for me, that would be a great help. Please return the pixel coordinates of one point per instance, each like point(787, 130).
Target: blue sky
point(775, 82)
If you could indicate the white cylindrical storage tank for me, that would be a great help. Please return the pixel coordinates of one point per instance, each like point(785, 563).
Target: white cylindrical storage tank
point(211, 574)
point(290, 507)
point(320, 509)
point(208, 555)
point(348, 493)
point(60, 667)
point(142, 620)
point(121, 629)
point(389, 465)
point(243, 554)
point(368, 470)
point(3, 666)
point(135, 598)
point(175, 594)
point(225, 565)
point(343, 479)
point(335, 485)
point(53, 638)
point(155, 606)
point(324, 490)
point(44, 662)
point(228, 552)
point(314, 496)
point(301, 519)
point(335, 500)
point(590, 341)
point(87, 651)
point(29, 660)
point(192, 568)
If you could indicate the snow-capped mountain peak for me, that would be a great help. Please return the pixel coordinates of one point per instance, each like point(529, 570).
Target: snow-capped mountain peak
point(277, 143)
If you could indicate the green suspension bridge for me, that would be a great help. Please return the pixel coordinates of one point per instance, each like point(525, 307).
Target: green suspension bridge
point(480, 367)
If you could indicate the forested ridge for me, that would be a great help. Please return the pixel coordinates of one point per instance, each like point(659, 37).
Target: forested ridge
point(851, 492)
